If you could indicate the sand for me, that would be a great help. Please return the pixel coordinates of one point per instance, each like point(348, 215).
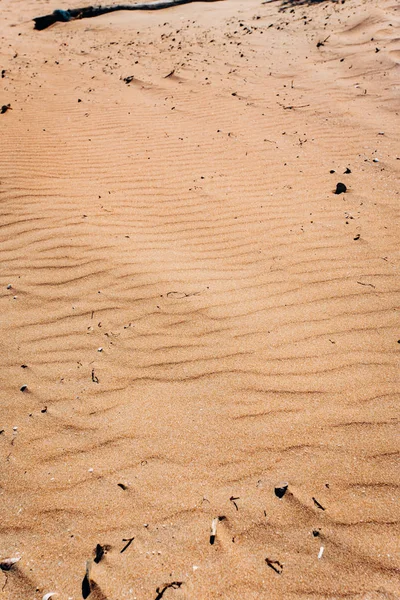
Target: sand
point(197, 316)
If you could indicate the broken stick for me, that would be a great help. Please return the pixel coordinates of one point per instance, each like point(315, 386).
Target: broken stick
point(94, 11)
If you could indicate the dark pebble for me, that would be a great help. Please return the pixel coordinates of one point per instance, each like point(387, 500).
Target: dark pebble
point(280, 490)
point(340, 188)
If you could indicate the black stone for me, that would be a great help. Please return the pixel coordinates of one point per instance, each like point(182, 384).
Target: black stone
point(340, 188)
point(280, 490)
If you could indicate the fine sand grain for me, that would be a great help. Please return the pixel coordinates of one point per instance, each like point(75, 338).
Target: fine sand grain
point(190, 316)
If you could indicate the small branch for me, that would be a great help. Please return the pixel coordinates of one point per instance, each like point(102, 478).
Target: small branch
point(129, 542)
point(317, 504)
point(71, 14)
point(161, 591)
point(290, 107)
point(275, 565)
point(367, 284)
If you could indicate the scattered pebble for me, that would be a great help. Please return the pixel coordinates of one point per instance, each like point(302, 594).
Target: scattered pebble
point(7, 563)
point(23, 388)
point(99, 553)
point(49, 595)
point(341, 188)
point(5, 108)
point(281, 489)
point(316, 532)
point(9, 287)
point(321, 551)
point(375, 160)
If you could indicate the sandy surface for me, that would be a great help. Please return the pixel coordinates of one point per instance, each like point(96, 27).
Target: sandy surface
point(196, 315)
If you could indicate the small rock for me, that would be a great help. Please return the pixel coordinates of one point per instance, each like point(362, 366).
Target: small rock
point(341, 188)
point(7, 563)
point(281, 489)
point(9, 287)
point(23, 388)
point(316, 533)
point(375, 160)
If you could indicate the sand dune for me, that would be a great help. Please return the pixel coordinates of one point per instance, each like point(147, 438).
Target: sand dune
point(196, 315)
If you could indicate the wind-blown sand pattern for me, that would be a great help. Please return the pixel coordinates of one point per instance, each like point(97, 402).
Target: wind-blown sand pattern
point(196, 315)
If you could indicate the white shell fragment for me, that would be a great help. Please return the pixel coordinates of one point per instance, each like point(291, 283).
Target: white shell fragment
point(214, 526)
point(321, 551)
point(7, 563)
point(49, 595)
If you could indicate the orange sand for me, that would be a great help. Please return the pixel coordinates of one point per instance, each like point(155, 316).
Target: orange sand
point(187, 226)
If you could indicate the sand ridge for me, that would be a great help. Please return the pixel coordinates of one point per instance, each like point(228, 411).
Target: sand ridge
point(196, 315)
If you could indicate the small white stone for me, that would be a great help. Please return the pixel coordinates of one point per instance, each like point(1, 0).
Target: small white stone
point(15, 428)
point(99, 349)
point(321, 551)
point(9, 286)
point(90, 470)
point(375, 160)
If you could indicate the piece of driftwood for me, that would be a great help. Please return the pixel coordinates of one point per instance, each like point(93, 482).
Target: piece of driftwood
point(94, 11)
